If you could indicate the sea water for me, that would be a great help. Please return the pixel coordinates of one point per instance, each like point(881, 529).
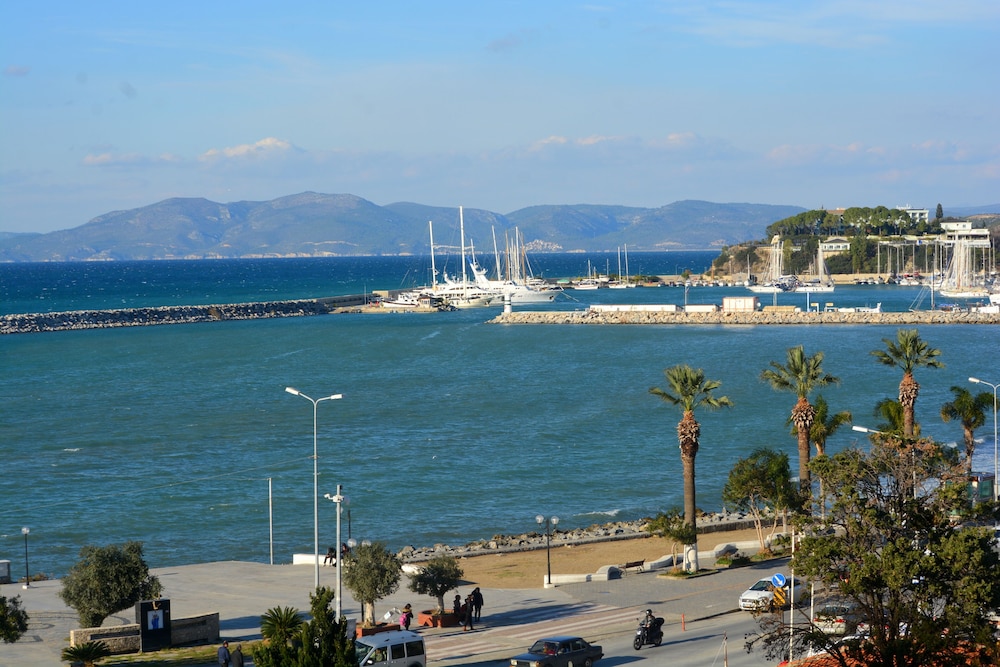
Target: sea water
point(449, 430)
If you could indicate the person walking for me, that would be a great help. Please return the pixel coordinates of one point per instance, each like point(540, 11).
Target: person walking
point(477, 602)
point(456, 606)
point(225, 660)
point(406, 617)
point(237, 656)
point(467, 613)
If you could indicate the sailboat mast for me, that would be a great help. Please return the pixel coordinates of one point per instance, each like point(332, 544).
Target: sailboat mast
point(434, 273)
point(627, 274)
point(461, 226)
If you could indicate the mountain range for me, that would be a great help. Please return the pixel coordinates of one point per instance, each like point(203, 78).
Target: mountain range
point(315, 224)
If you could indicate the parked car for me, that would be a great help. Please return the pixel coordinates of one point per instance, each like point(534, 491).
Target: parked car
point(761, 597)
point(838, 618)
point(560, 651)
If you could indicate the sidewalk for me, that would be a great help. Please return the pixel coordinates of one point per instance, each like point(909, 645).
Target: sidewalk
point(240, 592)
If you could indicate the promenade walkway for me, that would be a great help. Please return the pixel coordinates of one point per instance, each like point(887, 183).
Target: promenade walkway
point(512, 618)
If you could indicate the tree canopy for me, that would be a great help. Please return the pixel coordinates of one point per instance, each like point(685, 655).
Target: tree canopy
point(437, 576)
point(13, 619)
point(371, 573)
point(919, 567)
point(107, 580)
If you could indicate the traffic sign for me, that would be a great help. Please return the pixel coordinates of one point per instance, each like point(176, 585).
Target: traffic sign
point(778, 580)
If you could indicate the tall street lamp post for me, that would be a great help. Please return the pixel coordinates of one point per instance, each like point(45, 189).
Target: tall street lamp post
point(315, 402)
point(996, 473)
point(340, 499)
point(550, 524)
point(27, 579)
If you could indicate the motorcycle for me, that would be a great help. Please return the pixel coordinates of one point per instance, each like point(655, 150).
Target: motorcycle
point(649, 633)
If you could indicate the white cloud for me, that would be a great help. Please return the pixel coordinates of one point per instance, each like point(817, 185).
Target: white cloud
point(262, 148)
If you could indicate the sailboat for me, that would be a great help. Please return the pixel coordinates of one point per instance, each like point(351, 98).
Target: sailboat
point(458, 293)
point(774, 281)
point(960, 281)
point(622, 282)
point(824, 281)
point(515, 281)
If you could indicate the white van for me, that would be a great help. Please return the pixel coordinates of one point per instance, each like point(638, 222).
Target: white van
point(398, 648)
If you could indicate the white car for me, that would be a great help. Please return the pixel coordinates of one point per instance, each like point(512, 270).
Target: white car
point(761, 596)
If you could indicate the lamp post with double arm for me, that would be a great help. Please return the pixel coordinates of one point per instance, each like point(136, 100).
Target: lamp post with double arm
point(550, 524)
point(315, 403)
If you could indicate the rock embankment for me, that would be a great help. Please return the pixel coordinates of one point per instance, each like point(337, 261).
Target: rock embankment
point(744, 318)
point(137, 317)
point(618, 530)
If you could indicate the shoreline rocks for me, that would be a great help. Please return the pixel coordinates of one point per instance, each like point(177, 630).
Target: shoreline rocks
point(617, 530)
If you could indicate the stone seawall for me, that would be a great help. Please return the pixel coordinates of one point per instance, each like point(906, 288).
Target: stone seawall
point(139, 317)
point(744, 318)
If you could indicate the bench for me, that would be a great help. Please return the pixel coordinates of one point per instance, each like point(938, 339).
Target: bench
point(637, 565)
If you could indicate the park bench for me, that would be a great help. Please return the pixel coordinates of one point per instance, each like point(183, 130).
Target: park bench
point(637, 565)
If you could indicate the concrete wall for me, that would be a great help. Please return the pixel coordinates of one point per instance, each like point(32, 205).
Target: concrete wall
point(125, 638)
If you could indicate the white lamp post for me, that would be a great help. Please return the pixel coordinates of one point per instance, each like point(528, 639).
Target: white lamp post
point(340, 499)
point(315, 402)
point(27, 579)
point(996, 482)
point(550, 524)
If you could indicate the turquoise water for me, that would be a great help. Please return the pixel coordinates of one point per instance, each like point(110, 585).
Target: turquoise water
point(449, 429)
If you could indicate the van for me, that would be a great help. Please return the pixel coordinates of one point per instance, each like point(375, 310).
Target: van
point(398, 648)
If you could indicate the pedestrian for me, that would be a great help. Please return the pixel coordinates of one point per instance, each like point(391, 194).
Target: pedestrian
point(467, 613)
point(477, 601)
point(406, 617)
point(237, 656)
point(224, 657)
point(456, 606)
point(331, 557)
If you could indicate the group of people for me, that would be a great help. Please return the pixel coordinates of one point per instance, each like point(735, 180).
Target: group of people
point(229, 658)
point(470, 610)
point(331, 554)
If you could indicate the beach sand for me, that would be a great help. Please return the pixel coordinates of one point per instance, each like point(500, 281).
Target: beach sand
point(527, 569)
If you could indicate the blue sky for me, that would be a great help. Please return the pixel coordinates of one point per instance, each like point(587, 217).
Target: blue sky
point(497, 105)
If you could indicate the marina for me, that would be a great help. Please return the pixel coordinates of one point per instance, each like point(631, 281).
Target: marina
point(450, 429)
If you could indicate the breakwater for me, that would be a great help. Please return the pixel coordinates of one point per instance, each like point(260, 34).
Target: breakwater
point(138, 317)
point(765, 317)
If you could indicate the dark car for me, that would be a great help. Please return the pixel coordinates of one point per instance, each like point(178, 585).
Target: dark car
point(560, 651)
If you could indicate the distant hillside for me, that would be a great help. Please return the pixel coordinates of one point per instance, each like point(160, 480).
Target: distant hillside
point(314, 224)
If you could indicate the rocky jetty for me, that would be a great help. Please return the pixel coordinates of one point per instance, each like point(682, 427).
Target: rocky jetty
point(757, 317)
point(618, 530)
point(139, 317)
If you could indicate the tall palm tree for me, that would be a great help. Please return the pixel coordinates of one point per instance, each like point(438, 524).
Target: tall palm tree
point(970, 411)
point(688, 388)
point(800, 374)
point(908, 352)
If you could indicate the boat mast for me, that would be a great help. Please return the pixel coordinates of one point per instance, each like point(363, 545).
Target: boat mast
point(434, 273)
point(461, 226)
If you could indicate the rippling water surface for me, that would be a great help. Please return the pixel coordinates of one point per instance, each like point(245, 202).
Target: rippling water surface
point(449, 430)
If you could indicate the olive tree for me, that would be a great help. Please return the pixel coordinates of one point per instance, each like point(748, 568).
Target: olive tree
point(437, 576)
point(371, 573)
point(903, 545)
point(759, 484)
point(13, 619)
point(107, 580)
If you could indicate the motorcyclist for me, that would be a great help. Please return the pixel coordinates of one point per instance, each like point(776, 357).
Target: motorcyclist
point(648, 621)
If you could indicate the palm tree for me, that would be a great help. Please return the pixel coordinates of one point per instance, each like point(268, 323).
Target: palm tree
point(971, 412)
point(824, 424)
point(908, 352)
point(87, 653)
point(800, 374)
point(279, 624)
point(689, 389)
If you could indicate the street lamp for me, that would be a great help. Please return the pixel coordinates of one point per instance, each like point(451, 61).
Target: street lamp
point(315, 402)
point(550, 524)
point(996, 482)
point(340, 499)
point(27, 579)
